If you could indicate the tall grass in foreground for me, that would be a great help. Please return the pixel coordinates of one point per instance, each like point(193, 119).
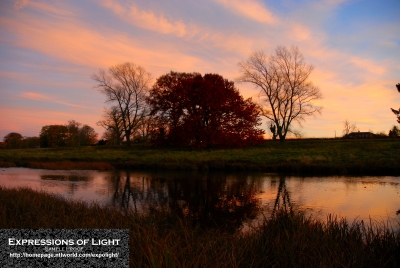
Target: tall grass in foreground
point(163, 240)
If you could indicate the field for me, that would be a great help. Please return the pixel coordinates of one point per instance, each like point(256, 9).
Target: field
point(312, 156)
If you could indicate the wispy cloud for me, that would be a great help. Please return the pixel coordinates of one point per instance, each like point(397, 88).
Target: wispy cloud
point(71, 41)
point(252, 9)
point(54, 46)
point(40, 97)
point(189, 31)
point(147, 19)
point(156, 22)
point(368, 65)
point(45, 7)
point(114, 6)
point(20, 4)
point(300, 32)
point(27, 79)
point(29, 121)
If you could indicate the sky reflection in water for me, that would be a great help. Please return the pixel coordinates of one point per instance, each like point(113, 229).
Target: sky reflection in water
point(219, 198)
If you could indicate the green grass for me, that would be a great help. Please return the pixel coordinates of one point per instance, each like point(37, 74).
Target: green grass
point(369, 157)
point(288, 239)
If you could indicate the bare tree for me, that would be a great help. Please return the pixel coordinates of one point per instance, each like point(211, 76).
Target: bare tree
point(284, 86)
point(348, 127)
point(127, 86)
point(112, 123)
point(148, 126)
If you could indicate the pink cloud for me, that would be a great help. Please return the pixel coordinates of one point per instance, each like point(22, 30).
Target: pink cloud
point(368, 65)
point(114, 6)
point(252, 9)
point(300, 32)
point(146, 19)
point(41, 97)
point(171, 43)
point(158, 22)
point(29, 79)
point(154, 22)
point(34, 96)
point(70, 41)
point(42, 7)
point(20, 4)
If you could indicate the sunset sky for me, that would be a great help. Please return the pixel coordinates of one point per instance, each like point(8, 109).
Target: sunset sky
point(49, 50)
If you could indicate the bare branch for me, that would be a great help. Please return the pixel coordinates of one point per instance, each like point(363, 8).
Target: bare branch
point(283, 83)
point(348, 127)
point(126, 85)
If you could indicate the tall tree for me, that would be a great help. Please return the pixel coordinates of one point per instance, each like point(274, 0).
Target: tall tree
point(202, 111)
point(126, 85)
point(283, 80)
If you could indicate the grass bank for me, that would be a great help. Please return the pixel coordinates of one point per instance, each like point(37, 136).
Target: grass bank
point(162, 240)
point(338, 156)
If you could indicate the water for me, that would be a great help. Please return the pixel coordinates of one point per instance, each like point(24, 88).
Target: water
point(222, 199)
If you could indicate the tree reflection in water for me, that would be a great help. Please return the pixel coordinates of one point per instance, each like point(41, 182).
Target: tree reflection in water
point(123, 195)
point(206, 199)
point(75, 180)
point(282, 200)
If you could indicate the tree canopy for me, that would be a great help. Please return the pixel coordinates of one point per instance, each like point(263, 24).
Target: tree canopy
point(71, 134)
point(53, 136)
point(13, 140)
point(202, 111)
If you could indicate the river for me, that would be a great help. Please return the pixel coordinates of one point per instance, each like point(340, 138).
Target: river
point(229, 199)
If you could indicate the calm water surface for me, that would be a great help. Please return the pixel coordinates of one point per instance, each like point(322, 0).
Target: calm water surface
point(232, 200)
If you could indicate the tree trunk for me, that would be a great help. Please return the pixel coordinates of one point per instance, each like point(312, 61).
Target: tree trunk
point(128, 138)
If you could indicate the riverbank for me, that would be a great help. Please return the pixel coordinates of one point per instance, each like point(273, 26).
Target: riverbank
point(318, 156)
point(163, 240)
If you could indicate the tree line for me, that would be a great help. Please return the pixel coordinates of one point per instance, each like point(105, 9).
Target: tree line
point(69, 135)
point(16, 140)
point(200, 111)
point(190, 109)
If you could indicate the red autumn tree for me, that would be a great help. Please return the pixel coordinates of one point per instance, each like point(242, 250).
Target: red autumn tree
point(203, 111)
